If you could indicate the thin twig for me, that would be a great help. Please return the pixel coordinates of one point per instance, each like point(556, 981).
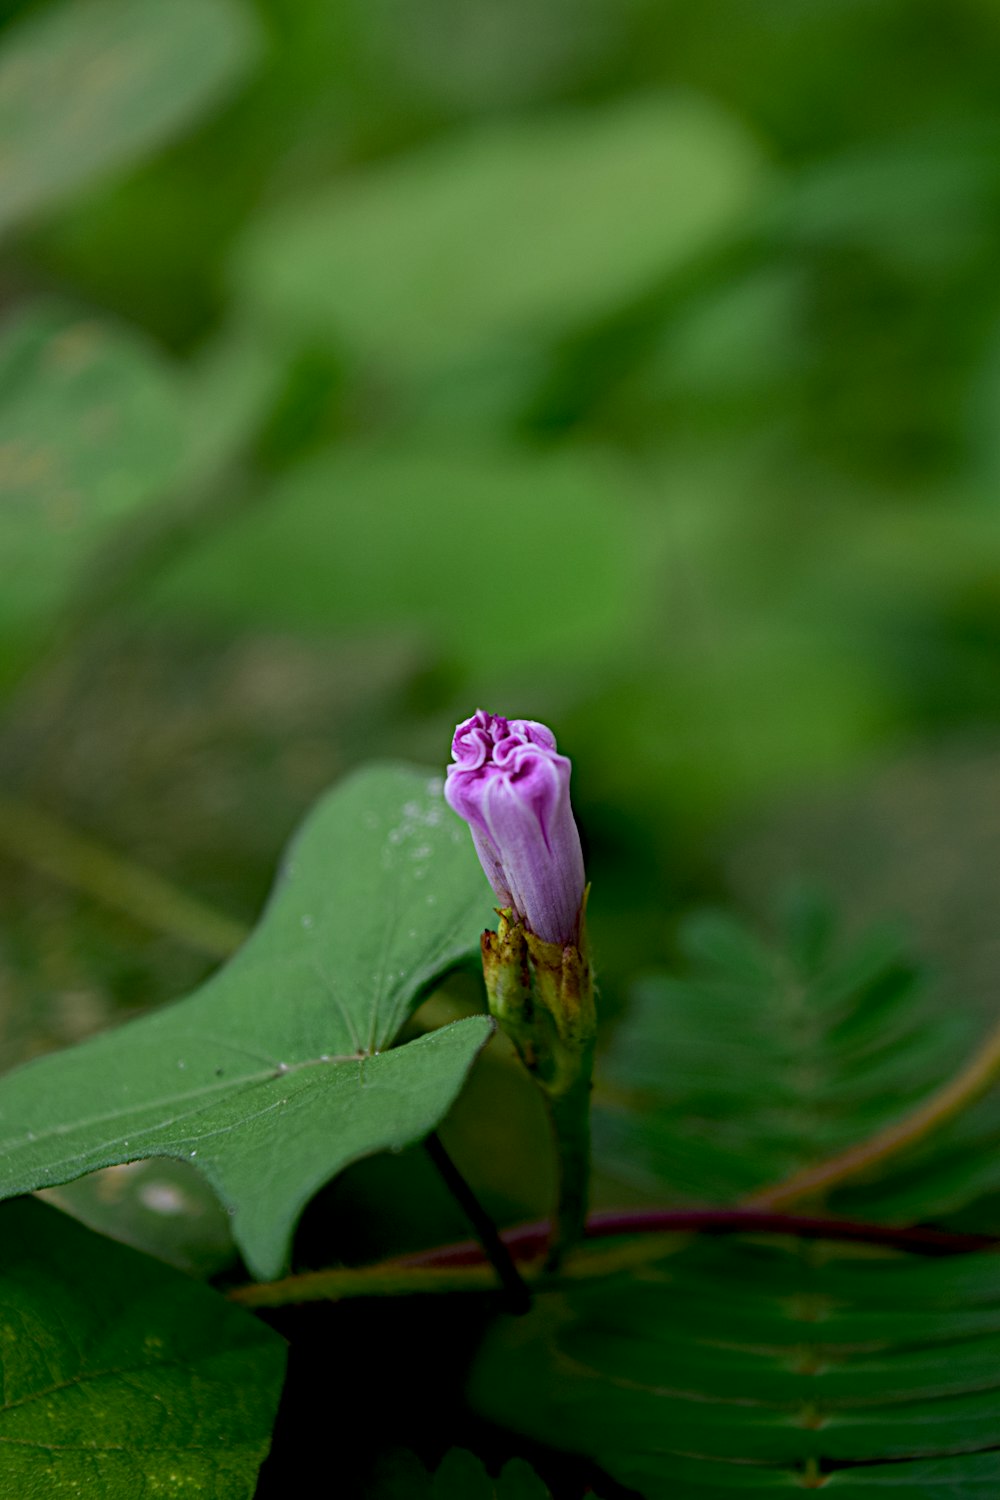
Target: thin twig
point(396, 1278)
point(386, 1280)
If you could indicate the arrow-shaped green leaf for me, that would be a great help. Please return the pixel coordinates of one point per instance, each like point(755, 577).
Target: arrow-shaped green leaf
point(275, 1074)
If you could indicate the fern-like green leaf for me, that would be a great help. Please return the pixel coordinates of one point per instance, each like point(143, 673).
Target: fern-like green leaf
point(765, 1058)
point(736, 1367)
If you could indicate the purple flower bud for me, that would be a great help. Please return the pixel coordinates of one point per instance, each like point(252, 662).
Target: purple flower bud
point(512, 788)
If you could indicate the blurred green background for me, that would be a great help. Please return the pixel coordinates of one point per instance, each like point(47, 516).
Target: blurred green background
point(629, 364)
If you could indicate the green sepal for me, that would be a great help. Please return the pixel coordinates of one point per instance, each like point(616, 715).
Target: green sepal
point(542, 996)
point(564, 987)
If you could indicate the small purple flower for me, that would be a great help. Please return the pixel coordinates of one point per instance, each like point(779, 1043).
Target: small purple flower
point(512, 787)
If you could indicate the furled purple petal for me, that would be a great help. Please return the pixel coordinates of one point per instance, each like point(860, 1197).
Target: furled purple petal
point(512, 787)
point(472, 745)
point(489, 858)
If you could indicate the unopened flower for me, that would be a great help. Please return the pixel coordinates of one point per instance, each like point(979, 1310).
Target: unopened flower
point(511, 786)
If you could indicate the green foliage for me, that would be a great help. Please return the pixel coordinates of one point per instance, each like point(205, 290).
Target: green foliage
point(609, 363)
point(96, 427)
point(120, 1376)
point(276, 1075)
point(764, 1058)
point(87, 87)
point(90, 431)
point(226, 394)
point(767, 1057)
point(348, 525)
point(735, 1367)
point(724, 706)
point(505, 237)
point(914, 203)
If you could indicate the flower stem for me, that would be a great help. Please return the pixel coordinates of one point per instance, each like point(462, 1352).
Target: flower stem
point(943, 1105)
point(569, 1115)
point(542, 997)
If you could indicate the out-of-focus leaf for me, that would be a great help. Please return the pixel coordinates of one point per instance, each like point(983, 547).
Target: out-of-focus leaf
point(90, 431)
point(121, 1376)
point(735, 341)
point(721, 712)
point(887, 565)
point(919, 833)
point(225, 394)
point(505, 235)
point(88, 86)
point(163, 1207)
point(921, 203)
point(470, 54)
point(732, 1368)
point(96, 425)
point(748, 679)
point(501, 554)
point(276, 1073)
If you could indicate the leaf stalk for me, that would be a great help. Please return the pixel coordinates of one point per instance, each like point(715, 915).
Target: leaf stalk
point(518, 1297)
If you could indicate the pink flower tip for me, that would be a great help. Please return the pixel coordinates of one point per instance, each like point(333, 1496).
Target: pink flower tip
point(511, 786)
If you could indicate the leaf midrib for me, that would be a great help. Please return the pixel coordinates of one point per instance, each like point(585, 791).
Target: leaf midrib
point(235, 1086)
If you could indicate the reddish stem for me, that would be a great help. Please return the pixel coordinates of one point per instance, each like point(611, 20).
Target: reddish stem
point(528, 1241)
